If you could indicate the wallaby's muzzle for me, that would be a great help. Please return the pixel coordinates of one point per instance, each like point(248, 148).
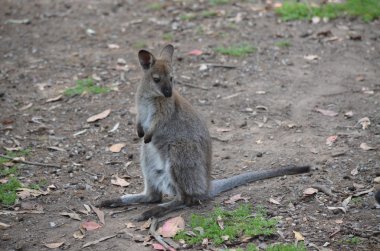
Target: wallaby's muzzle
point(167, 91)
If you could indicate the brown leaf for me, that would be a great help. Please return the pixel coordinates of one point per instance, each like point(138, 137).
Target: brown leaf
point(195, 52)
point(99, 116)
point(298, 236)
point(99, 213)
point(24, 193)
point(146, 224)
point(4, 225)
point(78, 235)
point(310, 191)
point(90, 225)
point(271, 200)
point(366, 147)
point(119, 181)
point(158, 246)
point(220, 222)
point(326, 112)
point(130, 225)
point(364, 122)
point(234, 198)
point(330, 140)
point(117, 147)
point(171, 227)
point(311, 57)
point(349, 114)
point(73, 216)
point(53, 245)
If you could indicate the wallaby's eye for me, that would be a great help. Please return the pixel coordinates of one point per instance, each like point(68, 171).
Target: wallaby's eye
point(156, 80)
point(171, 79)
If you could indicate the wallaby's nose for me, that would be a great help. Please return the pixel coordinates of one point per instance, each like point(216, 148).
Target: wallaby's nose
point(167, 92)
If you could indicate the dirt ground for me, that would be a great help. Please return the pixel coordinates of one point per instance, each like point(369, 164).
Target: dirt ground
point(261, 114)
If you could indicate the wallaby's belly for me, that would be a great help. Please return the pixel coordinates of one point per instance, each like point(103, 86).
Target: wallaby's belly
point(156, 169)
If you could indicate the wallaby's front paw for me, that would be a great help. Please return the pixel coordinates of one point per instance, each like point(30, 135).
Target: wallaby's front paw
point(140, 131)
point(111, 203)
point(147, 138)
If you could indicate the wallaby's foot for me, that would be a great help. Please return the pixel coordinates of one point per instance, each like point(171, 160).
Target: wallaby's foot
point(140, 131)
point(153, 212)
point(147, 138)
point(111, 203)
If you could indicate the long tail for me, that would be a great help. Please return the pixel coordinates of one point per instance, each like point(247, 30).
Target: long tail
point(222, 185)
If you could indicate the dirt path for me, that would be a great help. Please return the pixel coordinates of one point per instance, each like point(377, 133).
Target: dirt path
point(265, 107)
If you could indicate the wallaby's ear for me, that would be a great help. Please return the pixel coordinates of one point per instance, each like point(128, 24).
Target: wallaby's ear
point(167, 53)
point(146, 59)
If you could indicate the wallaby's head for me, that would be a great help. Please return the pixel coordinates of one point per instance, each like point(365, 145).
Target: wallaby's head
point(158, 72)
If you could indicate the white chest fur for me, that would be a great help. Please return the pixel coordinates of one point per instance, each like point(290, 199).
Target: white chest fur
point(146, 110)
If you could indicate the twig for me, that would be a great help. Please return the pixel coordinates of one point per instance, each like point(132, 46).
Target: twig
point(218, 139)
point(152, 231)
point(97, 241)
point(192, 86)
point(221, 65)
point(323, 189)
point(28, 163)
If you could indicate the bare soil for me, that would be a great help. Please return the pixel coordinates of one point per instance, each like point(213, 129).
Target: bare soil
point(261, 113)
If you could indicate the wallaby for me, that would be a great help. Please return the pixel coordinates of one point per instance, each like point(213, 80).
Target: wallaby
point(176, 150)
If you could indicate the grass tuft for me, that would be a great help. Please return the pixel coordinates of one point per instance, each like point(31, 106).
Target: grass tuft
point(218, 2)
point(240, 222)
point(8, 191)
point(236, 50)
point(155, 6)
point(286, 247)
point(86, 85)
point(283, 44)
point(188, 17)
point(368, 10)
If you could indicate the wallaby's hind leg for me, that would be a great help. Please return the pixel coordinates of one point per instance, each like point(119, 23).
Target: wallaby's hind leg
point(161, 210)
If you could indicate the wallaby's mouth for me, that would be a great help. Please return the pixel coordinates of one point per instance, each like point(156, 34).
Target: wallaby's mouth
point(167, 92)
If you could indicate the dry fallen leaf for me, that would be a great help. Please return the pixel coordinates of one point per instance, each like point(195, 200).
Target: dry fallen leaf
point(195, 52)
point(146, 224)
point(99, 116)
point(339, 221)
point(73, 216)
point(113, 46)
point(311, 57)
point(26, 107)
point(298, 236)
point(336, 208)
point(271, 200)
point(158, 246)
point(24, 192)
point(223, 129)
point(349, 114)
point(78, 235)
point(90, 225)
point(326, 112)
point(330, 140)
point(234, 198)
point(354, 171)
point(220, 222)
point(365, 122)
point(4, 225)
point(130, 225)
point(346, 201)
point(310, 191)
point(116, 180)
point(172, 226)
point(366, 147)
point(53, 245)
point(117, 147)
point(99, 213)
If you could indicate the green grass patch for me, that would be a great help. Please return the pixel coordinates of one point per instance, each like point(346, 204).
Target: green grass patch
point(154, 6)
point(283, 44)
point(240, 222)
point(287, 247)
point(353, 240)
point(368, 10)
point(8, 191)
point(139, 45)
point(86, 85)
point(236, 50)
point(218, 2)
point(188, 17)
point(209, 13)
point(14, 154)
point(9, 171)
point(168, 37)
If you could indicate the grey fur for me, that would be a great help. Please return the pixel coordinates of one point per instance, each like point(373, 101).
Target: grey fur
point(176, 151)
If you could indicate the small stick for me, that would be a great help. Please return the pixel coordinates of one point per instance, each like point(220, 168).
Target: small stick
point(221, 65)
point(29, 163)
point(152, 231)
point(192, 86)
